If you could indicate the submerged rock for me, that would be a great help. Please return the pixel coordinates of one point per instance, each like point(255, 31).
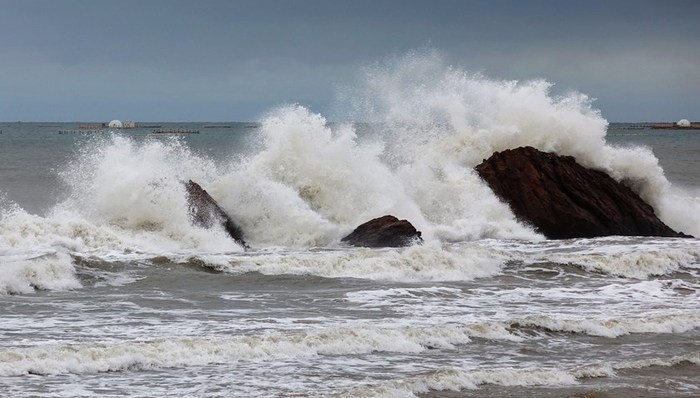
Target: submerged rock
point(204, 212)
point(386, 231)
point(563, 199)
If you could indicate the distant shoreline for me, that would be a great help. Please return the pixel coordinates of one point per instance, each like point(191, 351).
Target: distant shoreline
point(82, 125)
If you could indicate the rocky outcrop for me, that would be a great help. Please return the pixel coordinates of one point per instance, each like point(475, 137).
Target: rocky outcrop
point(205, 212)
point(563, 199)
point(386, 231)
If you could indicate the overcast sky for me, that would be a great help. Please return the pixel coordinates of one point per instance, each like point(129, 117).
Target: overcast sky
point(206, 60)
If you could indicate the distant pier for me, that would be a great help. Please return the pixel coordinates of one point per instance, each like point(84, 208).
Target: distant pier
point(674, 126)
point(683, 124)
point(83, 131)
point(174, 131)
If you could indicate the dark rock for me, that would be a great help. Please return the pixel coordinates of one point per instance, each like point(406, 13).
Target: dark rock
point(204, 212)
point(386, 231)
point(563, 199)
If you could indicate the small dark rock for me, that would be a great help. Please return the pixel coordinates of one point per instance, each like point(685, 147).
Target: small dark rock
point(204, 212)
point(386, 231)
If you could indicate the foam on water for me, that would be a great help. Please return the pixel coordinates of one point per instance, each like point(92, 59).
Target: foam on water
point(612, 326)
point(628, 257)
point(634, 264)
point(417, 263)
point(26, 265)
point(610, 310)
point(24, 274)
point(608, 369)
point(42, 248)
point(89, 358)
point(456, 379)
point(308, 183)
point(176, 352)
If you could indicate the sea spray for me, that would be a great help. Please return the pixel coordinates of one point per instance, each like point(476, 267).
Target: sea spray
point(310, 182)
point(424, 106)
point(332, 180)
point(130, 184)
point(272, 214)
point(136, 190)
point(435, 118)
point(341, 179)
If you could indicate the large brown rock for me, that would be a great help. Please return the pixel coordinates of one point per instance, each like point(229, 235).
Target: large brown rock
point(386, 231)
point(205, 212)
point(563, 199)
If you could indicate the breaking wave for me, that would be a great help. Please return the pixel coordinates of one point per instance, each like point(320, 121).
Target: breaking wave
point(309, 182)
point(456, 379)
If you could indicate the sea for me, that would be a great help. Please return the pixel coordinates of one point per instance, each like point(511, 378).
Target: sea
point(107, 289)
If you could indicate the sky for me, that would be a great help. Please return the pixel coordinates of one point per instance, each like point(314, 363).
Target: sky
point(210, 60)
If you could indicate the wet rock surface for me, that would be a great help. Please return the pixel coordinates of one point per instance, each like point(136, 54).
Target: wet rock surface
point(563, 199)
point(386, 231)
point(205, 212)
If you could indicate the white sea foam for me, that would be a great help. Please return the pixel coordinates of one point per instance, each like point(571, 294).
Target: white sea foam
point(370, 296)
point(692, 357)
point(36, 252)
point(428, 262)
point(631, 265)
point(609, 369)
point(615, 326)
point(634, 261)
point(24, 274)
point(454, 379)
point(628, 308)
point(629, 257)
point(26, 265)
point(176, 352)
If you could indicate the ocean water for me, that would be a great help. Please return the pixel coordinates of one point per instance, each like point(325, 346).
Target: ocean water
point(106, 289)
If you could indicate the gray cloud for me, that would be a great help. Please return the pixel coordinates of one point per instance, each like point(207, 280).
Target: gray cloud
point(233, 60)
